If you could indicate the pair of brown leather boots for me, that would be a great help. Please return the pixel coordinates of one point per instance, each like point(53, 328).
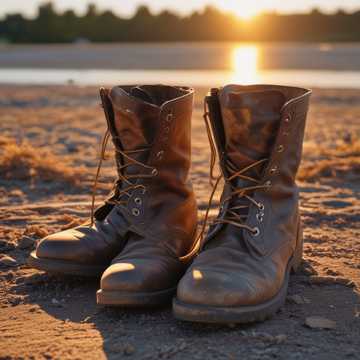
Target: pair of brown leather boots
point(143, 240)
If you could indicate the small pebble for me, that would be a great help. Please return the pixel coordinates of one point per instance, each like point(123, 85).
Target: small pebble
point(56, 302)
point(7, 261)
point(317, 322)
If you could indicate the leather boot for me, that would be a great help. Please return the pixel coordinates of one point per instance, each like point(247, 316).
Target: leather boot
point(242, 271)
point(143, 123)
point(155, 205)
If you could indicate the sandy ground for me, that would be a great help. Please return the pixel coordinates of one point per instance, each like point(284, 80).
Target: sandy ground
point(49, 141)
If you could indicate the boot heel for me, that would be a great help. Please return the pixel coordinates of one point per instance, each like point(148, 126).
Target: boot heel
point(297, 257)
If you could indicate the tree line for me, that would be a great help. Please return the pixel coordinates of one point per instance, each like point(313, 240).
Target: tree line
point(210, 24)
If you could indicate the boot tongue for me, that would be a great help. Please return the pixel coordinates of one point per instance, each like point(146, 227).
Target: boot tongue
point(136, 119)
point(250, 120)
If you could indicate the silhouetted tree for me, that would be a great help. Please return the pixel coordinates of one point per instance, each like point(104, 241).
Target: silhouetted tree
point(210, 24)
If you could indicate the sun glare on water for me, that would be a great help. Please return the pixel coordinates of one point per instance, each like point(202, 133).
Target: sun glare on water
point(245, 64)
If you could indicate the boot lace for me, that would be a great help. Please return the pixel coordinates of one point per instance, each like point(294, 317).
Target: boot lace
point(117, 192)
point(235, 215)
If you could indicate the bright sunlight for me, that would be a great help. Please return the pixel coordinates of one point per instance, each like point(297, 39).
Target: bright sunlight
point(245, 64)
point(244, 9)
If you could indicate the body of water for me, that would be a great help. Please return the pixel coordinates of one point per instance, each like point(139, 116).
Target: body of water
point(204, 64)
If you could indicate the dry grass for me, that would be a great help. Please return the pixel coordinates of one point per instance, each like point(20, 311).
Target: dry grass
point(341, 160)
point(35, 230)
point(24, 162)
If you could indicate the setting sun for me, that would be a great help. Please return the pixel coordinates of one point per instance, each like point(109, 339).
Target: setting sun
point(243, 9)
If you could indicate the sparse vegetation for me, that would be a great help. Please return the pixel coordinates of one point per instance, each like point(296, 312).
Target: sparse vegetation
point(25, 162)
point(342, 160)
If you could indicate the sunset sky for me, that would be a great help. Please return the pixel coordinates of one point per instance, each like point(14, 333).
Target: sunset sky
point(244, 8)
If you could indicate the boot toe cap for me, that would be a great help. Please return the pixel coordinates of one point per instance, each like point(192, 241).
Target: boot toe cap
point(65, 245)
point(139, 276)
point(123, 276)
point(223, 289)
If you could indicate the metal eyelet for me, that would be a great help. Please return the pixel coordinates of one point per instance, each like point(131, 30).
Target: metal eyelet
point(166, 129)
point(160, 154)
point(274, 169)
point(256, 231)
point(138, 201)
point(268, 183)
point(169, 117)
point(287, 119)
point(280, 148)
point(261, 206)
point(154, 172)
point(259, 217)
point(135, 212)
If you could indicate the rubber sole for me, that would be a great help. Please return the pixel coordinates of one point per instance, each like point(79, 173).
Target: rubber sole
point(65, 267)
point(133, 299)
point(242, 314)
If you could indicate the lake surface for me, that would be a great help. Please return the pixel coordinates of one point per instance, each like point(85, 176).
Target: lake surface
point(203, 64)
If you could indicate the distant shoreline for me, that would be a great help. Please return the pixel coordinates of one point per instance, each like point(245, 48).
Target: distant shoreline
point(185, 42)
point(185, 56)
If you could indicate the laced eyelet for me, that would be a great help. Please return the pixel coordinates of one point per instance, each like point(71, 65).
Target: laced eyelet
point(169, 117)
point(138, 201)
point(135, 212)
point(255, 231)
point(154, 172)
point(280, 148)
point(261, 206)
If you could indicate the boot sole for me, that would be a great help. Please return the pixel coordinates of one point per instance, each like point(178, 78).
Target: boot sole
point(64, 267)
point(242, 314)
point(134, 299)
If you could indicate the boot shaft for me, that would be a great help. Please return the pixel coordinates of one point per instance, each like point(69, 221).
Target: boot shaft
point(254, 122)
point(261, 125)
point(150, 127)
point(155, 118)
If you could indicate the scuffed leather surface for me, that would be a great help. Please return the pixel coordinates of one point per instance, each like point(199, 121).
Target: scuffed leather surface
point(136, 118)
point(236, 268)
point(250, 123)
point(165, 228)
point(145, 265)
point(95, 245)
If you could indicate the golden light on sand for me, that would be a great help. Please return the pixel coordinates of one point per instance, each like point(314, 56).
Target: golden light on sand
point(243, 9)
point(245, 64)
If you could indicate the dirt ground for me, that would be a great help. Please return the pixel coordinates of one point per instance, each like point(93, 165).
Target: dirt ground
point(49, 142)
